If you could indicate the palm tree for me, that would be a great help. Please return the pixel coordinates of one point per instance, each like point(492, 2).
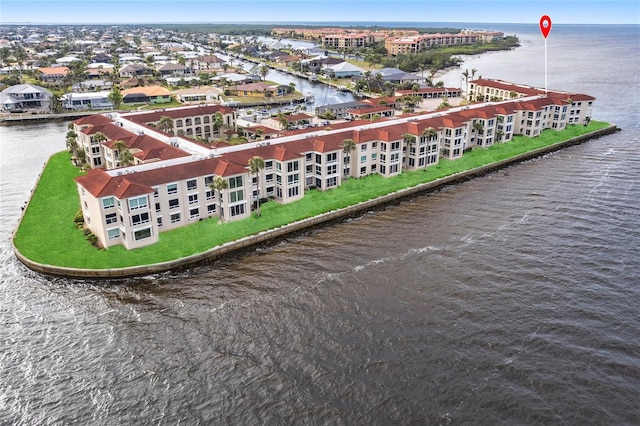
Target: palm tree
point(218, 121)
point(219, 184)
point(255, 165)
point(126, 158)
point(429, 132)
point(165, 124)
point(367, 78)
point(264, 70)
point(348, 145)
point(119, 147)
point(409, 141)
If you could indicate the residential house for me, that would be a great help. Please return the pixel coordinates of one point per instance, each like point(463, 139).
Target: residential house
point(53, 75)
point(147, 94)
point(86, 101)
point(343, 70)
point(26, 97)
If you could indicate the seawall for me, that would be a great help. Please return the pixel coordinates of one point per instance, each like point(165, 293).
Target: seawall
point(276, 234)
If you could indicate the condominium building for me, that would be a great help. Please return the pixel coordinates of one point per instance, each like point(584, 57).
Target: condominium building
point(132, 205)
point(417, 43)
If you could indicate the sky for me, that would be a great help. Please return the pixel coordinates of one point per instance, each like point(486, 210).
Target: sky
point(266, 11)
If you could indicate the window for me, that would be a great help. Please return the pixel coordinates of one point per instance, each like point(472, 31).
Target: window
point(393, 168)
point(278, 166)
point(332, 182)
point(237, 210)
point(235, 182)
point(318, 158)
point(193, 213)
point(211, 208)
point(138, 203)
point(138, 219)
point(112, 234)
point(363, 147)
point(333, 156)
point(395, 156)
point(383, 146)
point(374, 156)
point(172, 188)
point(268, 164)
point(208, 180)
point(308, 157)
point(192, 184)
point(155, 192)
point(210, 195)
point(159, 222)
point(236, 196)
point(108, 202)
point(173, 204)
point(293, 179)
point(292, 166)
point(269, 177)
point(363, 158)
point(193, 198)
point(395, 146)
point(175, 217)
point(157, 207)
point(332, 170)
point(142, 234)
point(111, 218)
point(294, 191)
point(363, 170)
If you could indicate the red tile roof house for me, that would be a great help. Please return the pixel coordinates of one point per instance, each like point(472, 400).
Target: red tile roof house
point(53, 74)
point(132, 205)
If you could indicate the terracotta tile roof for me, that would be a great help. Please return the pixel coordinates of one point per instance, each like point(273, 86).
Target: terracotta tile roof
point(155, 116)
point(54, 70)
point(100, 184)
point(148, 91)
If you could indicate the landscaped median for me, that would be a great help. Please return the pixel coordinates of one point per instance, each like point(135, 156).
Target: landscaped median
point(48, 241)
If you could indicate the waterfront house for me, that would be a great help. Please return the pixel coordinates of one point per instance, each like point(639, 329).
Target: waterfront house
point(26, 98)
point(146, 94)
point(343, 70)
point(86, 101)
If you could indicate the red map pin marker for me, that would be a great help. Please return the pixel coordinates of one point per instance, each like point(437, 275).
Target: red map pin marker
point(545, 25)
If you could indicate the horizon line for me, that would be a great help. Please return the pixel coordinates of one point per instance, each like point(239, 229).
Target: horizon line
point(295, 22)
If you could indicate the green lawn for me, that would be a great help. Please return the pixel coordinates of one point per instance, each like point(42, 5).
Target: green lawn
point(47, 234)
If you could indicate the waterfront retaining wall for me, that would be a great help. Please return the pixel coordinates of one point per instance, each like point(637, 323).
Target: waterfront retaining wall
point(302, 225)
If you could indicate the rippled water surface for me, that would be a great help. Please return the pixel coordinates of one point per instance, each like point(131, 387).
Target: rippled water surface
point(509, 299)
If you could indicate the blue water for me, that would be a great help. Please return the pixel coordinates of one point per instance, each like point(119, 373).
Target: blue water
point(509, 299)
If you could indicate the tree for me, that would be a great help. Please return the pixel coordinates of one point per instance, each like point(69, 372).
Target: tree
point(99, 137)
point(219, 184)
point(115, 96)
point(126, 158)
point(165, 124)
point(478, 128)
point(429, 132)
point(367, 78)
point(218, 121)
point(255, 165)
point(264, 70)
point(348, 146)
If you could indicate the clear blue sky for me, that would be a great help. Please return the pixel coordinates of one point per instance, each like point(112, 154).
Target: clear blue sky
point(179, 11)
